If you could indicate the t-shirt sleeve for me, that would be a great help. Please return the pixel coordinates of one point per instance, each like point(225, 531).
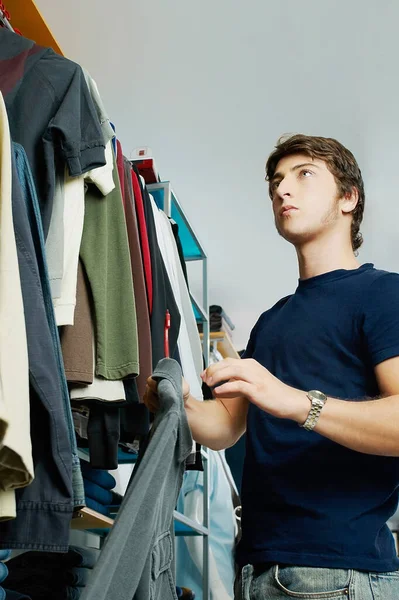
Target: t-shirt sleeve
point(380, 319)
point(249, 350)
point(75, 129)
point(102, 177)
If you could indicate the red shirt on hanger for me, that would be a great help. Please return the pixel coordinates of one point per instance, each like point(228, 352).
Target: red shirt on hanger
point(145, 247)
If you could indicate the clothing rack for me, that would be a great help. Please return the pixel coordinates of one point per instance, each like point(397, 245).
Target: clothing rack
point(89, 520)
point(16, 533)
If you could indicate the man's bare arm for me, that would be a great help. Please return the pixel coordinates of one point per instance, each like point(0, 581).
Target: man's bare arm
point(217, 424)
point(371, 427)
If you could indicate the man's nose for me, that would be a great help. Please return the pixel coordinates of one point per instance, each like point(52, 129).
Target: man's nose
point(284, 189)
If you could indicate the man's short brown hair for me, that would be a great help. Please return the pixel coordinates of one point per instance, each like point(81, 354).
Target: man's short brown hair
point(340, 162)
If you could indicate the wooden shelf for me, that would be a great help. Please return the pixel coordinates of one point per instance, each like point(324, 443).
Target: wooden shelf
point(90, 519)
point(224, 344)
point(26, 17)
point(87, 519)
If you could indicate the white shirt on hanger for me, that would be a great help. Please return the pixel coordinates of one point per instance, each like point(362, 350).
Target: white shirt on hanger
point(189, 342)
point(74, 211)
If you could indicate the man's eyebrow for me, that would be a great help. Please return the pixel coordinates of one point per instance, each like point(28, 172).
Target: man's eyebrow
point(279, 175)
point(308, 164)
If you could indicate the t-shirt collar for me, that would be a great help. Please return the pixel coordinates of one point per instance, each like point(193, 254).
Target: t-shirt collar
point(332, 276)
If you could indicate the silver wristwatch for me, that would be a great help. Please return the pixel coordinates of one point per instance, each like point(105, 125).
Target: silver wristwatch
point(318, 400)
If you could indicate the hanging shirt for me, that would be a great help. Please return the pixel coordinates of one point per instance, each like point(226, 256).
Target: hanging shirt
point(140, 293)
point(72, 223)
point(55, 238)
point(189, 342)
point(51, 114)
point(163, 297)
point(105, 255)
point(145, 246)
point(65, 232)
point(76, 340)
point(102, 115)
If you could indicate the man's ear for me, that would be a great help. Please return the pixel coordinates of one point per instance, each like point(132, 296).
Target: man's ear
point(349, 201)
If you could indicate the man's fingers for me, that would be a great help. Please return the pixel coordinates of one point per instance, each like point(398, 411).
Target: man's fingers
point(151, 401)
point(232, 389)
point(235, 371)
point(219, 366)
point(152, 384)
point(151, 396)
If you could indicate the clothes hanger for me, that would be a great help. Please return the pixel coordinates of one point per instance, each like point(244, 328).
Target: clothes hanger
point(5, 19)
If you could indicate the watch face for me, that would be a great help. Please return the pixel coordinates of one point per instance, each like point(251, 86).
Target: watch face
point(318, 395)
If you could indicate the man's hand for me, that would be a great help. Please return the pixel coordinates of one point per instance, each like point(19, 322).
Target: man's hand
point(247, 378)
point(151, 399)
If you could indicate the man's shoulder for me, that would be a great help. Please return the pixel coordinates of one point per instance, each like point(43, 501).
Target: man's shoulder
point(267, 314)
point(380, 292)
point(377, 282)
point(380, 274)
point(365, 284)
point(369, 272)
point(278, 305)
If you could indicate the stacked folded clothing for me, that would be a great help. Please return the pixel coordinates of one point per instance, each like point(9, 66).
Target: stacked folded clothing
point(219, 321)
point(98, 485)
point(45, 575)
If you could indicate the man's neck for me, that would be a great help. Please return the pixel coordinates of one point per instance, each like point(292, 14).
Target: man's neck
point(317, 258)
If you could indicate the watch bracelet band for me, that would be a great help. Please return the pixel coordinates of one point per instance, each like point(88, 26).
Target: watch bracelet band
point(313, 415)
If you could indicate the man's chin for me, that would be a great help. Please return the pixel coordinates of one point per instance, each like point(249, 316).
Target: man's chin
point(290, 236)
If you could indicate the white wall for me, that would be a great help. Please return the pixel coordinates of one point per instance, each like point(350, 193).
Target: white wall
point(210, 85)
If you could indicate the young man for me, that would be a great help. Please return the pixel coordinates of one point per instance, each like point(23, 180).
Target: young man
point(318, 394)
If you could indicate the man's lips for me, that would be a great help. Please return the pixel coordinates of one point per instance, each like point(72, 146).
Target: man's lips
point(287, 209)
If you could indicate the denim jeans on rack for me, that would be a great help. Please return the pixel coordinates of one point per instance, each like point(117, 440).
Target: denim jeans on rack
point(44, 508)
point(283, 582)
point(28, 188)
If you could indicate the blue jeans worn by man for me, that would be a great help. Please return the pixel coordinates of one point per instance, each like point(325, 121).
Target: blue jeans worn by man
point(282, 582)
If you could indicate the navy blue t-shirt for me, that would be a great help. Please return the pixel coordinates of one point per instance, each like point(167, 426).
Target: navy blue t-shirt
point(306, 500)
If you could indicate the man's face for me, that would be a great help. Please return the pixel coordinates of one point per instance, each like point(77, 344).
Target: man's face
point(305, 199)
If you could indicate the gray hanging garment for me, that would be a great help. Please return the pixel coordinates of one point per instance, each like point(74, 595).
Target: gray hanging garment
point(136, 561)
